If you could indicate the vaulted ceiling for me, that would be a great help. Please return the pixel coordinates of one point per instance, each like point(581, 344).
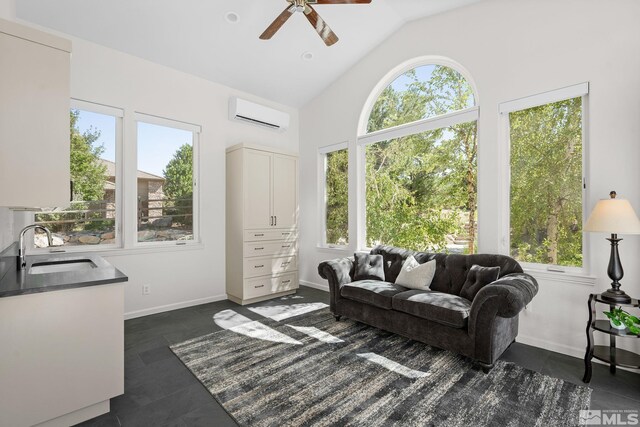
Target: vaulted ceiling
point(195, 36)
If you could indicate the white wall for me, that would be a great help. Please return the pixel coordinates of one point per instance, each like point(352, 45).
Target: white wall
point(103, 75)
point(512, 49)
point(184, 276)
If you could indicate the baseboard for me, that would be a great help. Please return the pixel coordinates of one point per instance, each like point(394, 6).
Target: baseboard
point(564, 349)
point(76, 417)
point(551, 346)
point(323, 287)
point(175, 306)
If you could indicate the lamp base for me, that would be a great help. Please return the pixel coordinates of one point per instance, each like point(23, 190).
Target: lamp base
point(616, 296)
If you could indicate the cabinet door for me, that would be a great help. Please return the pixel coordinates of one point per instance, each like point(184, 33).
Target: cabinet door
point(285, 191)
point(257, 189)
point(34, 124)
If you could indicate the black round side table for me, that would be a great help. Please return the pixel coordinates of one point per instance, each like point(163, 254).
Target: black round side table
point(609, 354)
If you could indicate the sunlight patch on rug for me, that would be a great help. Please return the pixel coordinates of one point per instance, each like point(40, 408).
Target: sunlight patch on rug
point(317, 334)
point(228, 319)
point(282, 312)
point(393, 366)
point(235, 322)
point(288, 297)
point(262, 332)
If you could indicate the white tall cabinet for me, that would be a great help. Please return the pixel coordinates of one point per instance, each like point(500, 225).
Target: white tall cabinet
point(262, 223)
point(34, 117)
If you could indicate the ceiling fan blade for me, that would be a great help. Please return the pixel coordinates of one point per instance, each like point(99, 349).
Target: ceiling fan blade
point(277, 23)
point(340, 1)
point(327, 35)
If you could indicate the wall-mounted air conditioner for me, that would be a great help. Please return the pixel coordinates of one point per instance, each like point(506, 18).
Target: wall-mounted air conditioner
point(249, 112)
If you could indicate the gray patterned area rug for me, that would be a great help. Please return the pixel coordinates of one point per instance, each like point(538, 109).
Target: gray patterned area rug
point(313, 371)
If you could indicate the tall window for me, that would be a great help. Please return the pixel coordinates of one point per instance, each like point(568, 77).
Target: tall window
point(420, 156)
point(93, 215)
point(334, 167)
point(546, 182)
point(165, 180)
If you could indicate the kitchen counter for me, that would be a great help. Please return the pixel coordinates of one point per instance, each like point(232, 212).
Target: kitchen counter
point(62, 352)
point(15, 282)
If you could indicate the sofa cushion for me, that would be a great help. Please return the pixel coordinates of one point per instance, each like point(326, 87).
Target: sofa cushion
point(446, 309)
point(451, 269)
point(477, 278)
point(368, 267)
point(415, 275)
point(373, 292)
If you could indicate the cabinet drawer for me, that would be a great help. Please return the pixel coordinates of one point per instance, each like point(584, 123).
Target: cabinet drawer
point(270, 248)
point(254, 267)
point(262, 286)
point(261, 235)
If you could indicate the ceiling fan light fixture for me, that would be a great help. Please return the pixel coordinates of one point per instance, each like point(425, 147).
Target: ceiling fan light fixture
point(319, 25)
point(232, 17)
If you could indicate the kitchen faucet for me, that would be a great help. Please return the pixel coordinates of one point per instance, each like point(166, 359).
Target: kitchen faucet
point(22, 264)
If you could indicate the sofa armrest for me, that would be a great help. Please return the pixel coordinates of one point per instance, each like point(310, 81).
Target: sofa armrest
point(490, 320)
point(337, 272)
point(506, 297)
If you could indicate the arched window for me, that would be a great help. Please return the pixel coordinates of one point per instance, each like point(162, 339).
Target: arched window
point(420, 147)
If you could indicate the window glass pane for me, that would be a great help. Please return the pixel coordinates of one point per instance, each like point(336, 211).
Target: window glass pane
point(165, 183)
point(420, 93)
point(546, 184)
point(91, 218)
point(421, 190)
point(337, 197)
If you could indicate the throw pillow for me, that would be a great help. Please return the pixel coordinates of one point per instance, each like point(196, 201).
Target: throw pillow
point(368, 267)
point(414, 275)
point(477, 278)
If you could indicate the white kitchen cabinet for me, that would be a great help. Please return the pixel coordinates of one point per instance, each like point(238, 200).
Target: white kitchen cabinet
point(34, 117)
point(62, 355)
point(262, 213)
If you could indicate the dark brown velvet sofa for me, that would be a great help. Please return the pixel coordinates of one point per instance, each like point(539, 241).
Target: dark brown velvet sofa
point(481, 329)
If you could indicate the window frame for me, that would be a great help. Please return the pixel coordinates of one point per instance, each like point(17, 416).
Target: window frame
point(322, 194)
point(132, 198)
point(580, 90)
point(471, 114)
point(118, 114)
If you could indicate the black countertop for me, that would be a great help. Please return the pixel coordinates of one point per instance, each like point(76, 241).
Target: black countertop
point(15, 282)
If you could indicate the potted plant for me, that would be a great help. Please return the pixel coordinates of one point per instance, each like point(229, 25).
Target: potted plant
point(620, 319)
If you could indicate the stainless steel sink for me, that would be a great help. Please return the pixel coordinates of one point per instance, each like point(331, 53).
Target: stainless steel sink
point(62, 266)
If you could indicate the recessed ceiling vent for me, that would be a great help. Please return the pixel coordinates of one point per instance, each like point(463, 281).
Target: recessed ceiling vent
point(245, 111)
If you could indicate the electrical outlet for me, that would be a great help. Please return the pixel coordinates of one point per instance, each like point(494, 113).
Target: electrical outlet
point(146, 289)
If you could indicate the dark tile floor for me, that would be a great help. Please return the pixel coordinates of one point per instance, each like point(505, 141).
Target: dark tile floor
point(160, 391)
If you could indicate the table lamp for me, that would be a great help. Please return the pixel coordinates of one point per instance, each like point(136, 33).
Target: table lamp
point(615, 216)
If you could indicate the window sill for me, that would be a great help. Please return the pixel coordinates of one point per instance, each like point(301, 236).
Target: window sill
point(334, 249)
point(148, 248)
point(558, 276)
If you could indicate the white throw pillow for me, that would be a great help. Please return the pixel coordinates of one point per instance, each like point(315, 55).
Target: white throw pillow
point(415, 275)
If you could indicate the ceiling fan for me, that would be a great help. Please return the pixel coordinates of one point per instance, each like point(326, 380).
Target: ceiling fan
point(304, 6)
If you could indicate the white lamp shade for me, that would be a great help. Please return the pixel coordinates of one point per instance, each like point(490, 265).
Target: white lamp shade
point(615, 216)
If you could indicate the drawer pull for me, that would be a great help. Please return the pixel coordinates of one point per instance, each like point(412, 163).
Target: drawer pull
point(259, 235)
point(286, 246)
point(286, 281)
point(259, 286)
point(284, 264)
point(258, 266)
point(285, 234)
point(258, 249)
